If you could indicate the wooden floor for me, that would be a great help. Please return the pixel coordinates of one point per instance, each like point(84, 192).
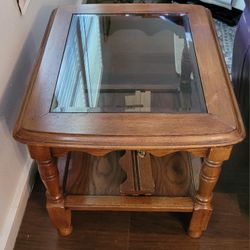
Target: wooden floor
point(228, 228)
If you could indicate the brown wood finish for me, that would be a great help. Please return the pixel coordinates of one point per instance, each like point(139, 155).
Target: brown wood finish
point(130, 203)
point(88, 175)
point(225, 125)
point(173, 175)
point(139, 179)
point(145, 176)
point(52, 135)
point(96, 152)
point(60, 217)
point(209, 175)
point(228, 227)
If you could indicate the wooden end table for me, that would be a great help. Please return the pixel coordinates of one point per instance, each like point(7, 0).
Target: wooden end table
point(121, 99)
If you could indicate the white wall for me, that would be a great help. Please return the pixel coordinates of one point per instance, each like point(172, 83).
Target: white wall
point(238, 4)
point(20, 38)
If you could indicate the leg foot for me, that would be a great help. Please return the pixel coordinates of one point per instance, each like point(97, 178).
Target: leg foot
point(194, 234)
point(61, 219)
point(199, 221)
point(65, 231)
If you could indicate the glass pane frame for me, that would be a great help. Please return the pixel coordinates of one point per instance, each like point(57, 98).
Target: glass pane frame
point(90, 95)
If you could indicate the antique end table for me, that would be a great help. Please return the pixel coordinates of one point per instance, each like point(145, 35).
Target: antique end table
point(130, 108)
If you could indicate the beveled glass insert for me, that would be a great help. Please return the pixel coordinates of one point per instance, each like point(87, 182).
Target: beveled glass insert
point(129, 63)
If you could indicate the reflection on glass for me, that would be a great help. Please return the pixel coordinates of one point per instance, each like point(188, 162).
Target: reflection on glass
point(129, 63)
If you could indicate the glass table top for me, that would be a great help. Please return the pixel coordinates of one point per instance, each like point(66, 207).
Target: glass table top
point(129, 63)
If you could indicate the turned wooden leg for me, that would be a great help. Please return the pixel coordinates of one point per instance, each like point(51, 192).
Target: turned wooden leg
point(209, 175)
point(59, 216)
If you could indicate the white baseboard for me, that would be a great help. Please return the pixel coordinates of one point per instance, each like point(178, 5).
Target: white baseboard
point(15, 215)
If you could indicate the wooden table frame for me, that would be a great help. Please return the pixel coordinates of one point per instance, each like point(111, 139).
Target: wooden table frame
point(208, 135)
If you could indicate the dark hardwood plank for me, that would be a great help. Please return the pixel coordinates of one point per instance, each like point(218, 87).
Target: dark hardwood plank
point(228, 229)
point(92, 230)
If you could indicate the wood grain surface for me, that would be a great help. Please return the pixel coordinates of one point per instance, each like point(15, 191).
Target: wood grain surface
point(171, 175)
point(228, 227)
point(95, 175)
point(102, 138)
point(220, 126)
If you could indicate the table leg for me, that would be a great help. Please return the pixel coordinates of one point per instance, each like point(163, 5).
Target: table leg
point(59, 216)
point(209, 175)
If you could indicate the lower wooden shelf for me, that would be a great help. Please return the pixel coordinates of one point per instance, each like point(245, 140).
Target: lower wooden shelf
point(129, 203)
point(94, 183)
